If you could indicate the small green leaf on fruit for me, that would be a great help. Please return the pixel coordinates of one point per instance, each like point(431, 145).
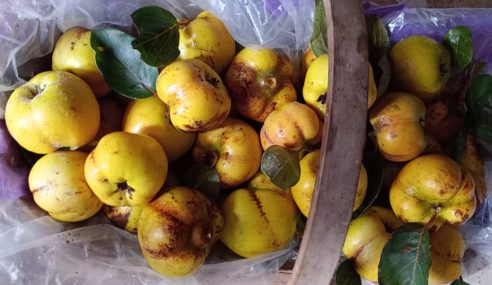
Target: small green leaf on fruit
point(204, 179)
point(120, 64)
point(281, 165)
point(479, 104)
point(459, 282)
point(158, 38)
point(459, 42)
point(319, 42)
point(406, 257)
point(346, 274)
point(375, 175)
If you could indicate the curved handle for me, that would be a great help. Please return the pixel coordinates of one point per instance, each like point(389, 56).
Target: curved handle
point(342, 146)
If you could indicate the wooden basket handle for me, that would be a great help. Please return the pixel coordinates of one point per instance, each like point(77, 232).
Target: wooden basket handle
point(342, 146)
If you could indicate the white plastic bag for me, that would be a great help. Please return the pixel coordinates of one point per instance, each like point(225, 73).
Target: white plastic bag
point(34, 248)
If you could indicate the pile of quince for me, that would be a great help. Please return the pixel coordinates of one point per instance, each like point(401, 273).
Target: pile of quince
point(413, 127)
point(211, 107)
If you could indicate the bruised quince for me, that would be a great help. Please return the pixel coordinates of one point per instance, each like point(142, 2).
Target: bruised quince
point(260, 81)
point(177, 230)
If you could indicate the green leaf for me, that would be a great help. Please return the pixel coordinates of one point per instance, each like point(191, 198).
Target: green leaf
point(120, 64)
point(204, 179)
point(459, 282)
point(479, 104)
point(384, 67)
point(459, 42)
point(158, 38)
point(319, 42)
point(459, 144)
point(378, 38)
point(406, 257)
point(281, 165)
point(346, 274)
point(375, 174)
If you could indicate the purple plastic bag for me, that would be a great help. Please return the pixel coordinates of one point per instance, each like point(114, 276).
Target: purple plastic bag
point(13, 171)
point(402, 22)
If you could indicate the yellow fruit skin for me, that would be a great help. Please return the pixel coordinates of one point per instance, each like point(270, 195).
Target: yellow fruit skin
point(307, 59)
point(197, 99)
point(126, 169)
point(177, 230)
point(396, 119)
point(258, 221)
point(447, 251)
point(361, 188)
point(293, 126)
point(372, 92)
point(366, 237)
point(149, 117)
point(233, 148)
point(433, 190)
point(52, 110)
point(73, 53)
point(303, 191)
point(471, 160)
point(124, 217)
point(261, 181)
point(420, 65)
point(316, 85)
point(58, 186)
point(259, 81)
point(206, 38)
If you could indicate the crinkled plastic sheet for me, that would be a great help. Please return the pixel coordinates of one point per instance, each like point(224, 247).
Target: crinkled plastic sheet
point(403, 21)
point(35, 249)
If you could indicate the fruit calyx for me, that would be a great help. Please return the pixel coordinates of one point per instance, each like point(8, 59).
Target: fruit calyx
point(123, 186)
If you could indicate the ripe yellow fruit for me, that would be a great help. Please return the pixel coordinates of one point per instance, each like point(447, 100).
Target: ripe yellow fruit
point(73, 53)
point(316, 84)
point(149, 117)
point(59, 187)
point(206, 38)
point(54, 109)
point(397, 119)
point(293, 126)
point(447, 251)
point(259, 81)
point(233, 149)
point(366, 237)
point(303, 191)
point(433, 190)
point(177, 230)
point(126, 169)
point(197, 99)
point(258, 221)
point(420, 65)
